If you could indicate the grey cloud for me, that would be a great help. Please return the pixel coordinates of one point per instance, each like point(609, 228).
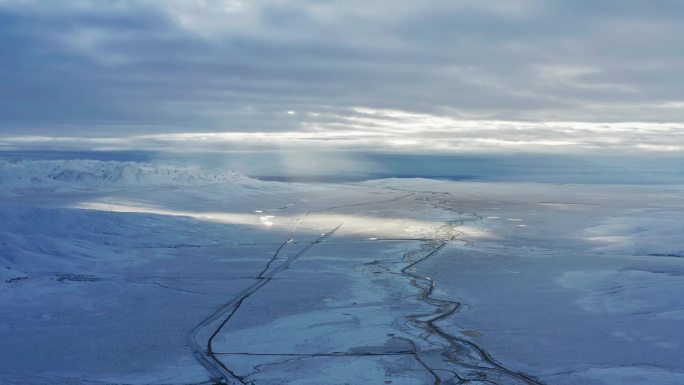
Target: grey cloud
point(89, 67)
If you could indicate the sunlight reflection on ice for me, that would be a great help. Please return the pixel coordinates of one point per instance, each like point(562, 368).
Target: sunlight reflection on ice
point(386, 227)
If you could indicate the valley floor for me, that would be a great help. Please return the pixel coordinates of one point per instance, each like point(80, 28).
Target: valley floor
point(394, 281)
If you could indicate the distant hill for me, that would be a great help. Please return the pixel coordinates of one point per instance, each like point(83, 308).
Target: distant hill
point(23, 174)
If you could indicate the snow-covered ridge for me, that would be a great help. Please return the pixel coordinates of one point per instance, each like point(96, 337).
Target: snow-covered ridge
point(91, 172)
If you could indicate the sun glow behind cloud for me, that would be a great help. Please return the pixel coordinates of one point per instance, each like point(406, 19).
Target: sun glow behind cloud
point(395, 130)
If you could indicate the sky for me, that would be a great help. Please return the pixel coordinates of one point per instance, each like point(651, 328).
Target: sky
point(447, 76)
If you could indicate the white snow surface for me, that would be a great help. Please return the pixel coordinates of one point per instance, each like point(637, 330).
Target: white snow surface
point(106, 267)
point(23, 174)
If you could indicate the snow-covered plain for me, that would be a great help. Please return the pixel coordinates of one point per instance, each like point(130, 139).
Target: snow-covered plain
point(129, 273)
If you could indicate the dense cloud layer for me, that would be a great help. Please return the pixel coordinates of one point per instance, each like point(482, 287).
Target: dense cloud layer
point(80, 67)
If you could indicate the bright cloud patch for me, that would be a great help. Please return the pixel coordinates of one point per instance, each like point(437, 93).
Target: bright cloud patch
point(395, 130)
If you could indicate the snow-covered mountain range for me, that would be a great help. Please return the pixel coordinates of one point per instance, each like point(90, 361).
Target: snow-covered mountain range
point(24, 174)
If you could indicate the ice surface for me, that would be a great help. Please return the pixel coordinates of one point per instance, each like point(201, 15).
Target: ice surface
point(110, 272)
